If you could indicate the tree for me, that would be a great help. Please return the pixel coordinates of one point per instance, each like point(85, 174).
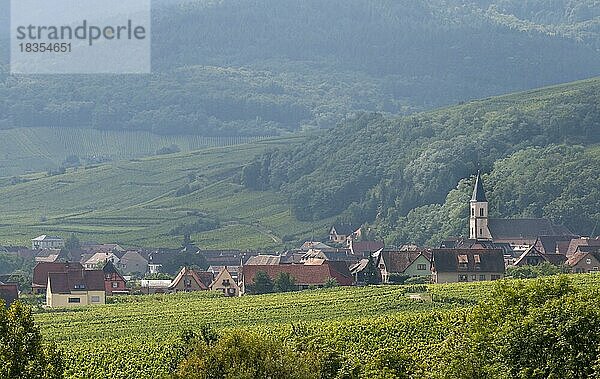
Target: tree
point(262, 283)
point(330, 283)
point(22, 351)
point(241, 354)
point(284, 282)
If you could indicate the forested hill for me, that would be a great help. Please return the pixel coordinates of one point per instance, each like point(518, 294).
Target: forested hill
point(539, 151)
point(238, 67)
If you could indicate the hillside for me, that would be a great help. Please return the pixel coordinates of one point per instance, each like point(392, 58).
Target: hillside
point(540, 149)
point(406, 177)
point(154, 201)
point(262, 67)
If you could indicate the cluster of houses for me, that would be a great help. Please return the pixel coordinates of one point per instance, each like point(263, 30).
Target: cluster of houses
point(95, 271)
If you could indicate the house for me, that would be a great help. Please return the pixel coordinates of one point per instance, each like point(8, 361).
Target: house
point(49, 255)
point(305, 276)
point(264, 259)
point(309, 245)
point(99, 259)
point(189, 280)
point(93, 248)
point(364, 248)
point(47, 242)
point(9, 293)
point(512, 231)
point(114, 283)
point(533, 257)
point(577, 244)
point(553, 244)
point(466, 265)
point(584, 262)
point(150, 287)
point(407, 263)
point(318, 257)
point(75, 287)
point(42, 269)
point(233, 271)
point(227, 258)
point(343, 233)
point(132, 262)
point(225, 283)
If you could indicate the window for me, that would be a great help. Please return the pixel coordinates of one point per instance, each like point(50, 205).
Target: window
point(226, 282)
point(481, 277)
point(187, 282)
point(422, 266)
point(463, 261)
point(463, 278)
point(74, 300)
point(588, 261)
point(495, 277)
point(481, 212)
point(79, 286)
point(95, 299)
point(472, 211)
point(480, 231)
point(115, 284)
point(474, 277)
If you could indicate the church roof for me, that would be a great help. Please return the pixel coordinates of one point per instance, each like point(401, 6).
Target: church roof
point(525, 228)
point(478, 191)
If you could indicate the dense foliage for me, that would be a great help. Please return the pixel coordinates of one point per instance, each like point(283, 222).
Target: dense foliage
point(399, 173)
point(22, 351)
point(258, 68)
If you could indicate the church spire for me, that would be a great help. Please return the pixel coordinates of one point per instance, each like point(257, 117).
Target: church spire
point(478, 191)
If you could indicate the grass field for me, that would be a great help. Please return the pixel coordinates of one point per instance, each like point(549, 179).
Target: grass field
point(25, 150)
point(135, 202)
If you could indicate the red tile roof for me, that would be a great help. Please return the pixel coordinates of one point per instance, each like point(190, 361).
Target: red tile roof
point(42, 269)
point(311, 275)
point(76, 280)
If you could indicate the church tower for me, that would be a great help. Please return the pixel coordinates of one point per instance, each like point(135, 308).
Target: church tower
point(478, 222)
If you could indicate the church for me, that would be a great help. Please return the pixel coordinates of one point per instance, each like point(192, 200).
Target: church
point(516, 232)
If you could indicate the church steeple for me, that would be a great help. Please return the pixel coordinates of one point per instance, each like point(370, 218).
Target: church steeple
point(478, 192)
point(478, 222)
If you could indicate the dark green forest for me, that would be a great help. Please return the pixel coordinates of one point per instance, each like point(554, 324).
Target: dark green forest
point(408, 177)
point(263, 67)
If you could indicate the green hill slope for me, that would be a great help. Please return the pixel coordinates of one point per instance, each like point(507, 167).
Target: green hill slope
point(379, 170)
point(405, 177)
point(150, 201)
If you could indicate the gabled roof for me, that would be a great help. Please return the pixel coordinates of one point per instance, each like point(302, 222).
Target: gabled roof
point(225, 272)
point(579, 256)
point(478, 191)
point(363, 247)
point(76, 280)
point(482, 260)
point(577, 243)
point(264, 259)
point(44, 237)
point(524, 228)
point(553, 244)
point(110, 269)
point(42, 269)
point(101, 257)
point(533, 251)
point(302, 274)
point(343, 229)
point(188, 272)
point(399, 261)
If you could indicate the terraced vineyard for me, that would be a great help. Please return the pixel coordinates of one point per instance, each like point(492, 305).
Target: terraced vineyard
point(140, 202)
point(27, 149)
point(137, 337)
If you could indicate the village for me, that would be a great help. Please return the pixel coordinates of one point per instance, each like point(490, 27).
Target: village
point(92, 272)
